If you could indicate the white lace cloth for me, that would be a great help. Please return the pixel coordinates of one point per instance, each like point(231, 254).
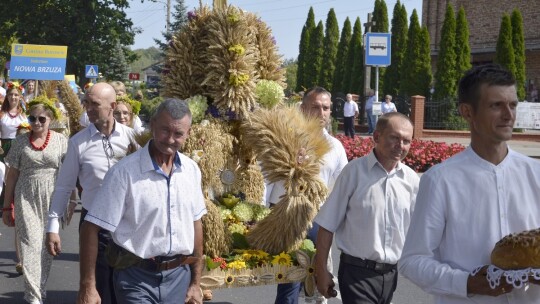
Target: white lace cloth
point(517, 278)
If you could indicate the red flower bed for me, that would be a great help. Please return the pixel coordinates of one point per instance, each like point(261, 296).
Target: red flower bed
point(422, 155)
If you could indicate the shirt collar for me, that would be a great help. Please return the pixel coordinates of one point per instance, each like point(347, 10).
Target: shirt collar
point(94, 130)
point(148, 164)
point(372, 161)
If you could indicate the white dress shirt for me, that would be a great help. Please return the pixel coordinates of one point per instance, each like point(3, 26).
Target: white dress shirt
point(388, 107)
point(148, 212)
point(333, 162)
point(87, 160)
point(464, 206)
point(350, 108)
point(369, 210)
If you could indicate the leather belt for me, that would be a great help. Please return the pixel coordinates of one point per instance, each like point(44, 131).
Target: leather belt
point(368, 264)
point(158, 264)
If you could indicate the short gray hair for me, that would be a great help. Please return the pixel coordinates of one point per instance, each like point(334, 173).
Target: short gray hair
point(177, 108)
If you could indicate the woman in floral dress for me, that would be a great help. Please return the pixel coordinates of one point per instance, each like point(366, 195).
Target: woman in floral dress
point(34, 161)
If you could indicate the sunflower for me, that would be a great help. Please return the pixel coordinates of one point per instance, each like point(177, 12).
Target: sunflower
point(229, 279)
point(282, 259)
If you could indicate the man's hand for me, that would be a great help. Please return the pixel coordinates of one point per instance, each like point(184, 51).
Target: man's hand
point(88, 295)
point(54, 245)
point(6, 217)
point(194, 295)
point(479, 284)
point(70, 210)
point(325, 283)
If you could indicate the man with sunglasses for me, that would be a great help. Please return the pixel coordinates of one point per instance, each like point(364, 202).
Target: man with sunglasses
point(91, 153)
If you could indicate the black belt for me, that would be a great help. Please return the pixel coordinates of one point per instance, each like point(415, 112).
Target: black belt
point(368, 264)
point(162, 263)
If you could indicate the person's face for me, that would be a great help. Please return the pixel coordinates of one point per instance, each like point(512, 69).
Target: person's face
point(98, 108)
point(31, 86)
point(387, 99)
point(120, 93)
point(35, 119)
point(349, 97)
point(394, 142)
point(494, 118)
point(14, 98)
point(318, 106)
point(122, 114)
point(169, 134)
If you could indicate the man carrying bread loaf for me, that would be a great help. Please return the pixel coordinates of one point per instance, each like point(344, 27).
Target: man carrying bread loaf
point(472, 200)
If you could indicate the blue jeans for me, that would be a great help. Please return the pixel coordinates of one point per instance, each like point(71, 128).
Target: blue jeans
point(288, 293)
point(370, 120)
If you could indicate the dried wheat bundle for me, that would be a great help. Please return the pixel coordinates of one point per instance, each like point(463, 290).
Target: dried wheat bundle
point(250, 181)
point(72, 104)
point(217, 240)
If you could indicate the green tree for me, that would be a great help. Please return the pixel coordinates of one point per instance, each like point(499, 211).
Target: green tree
point(116, 68)
point(357, 75)
point(89, 28)
point(179, 18)
point(518, 42)
point(504, 54)
point(399, 43)
point(308, 28)
point(291, 69)
point(341, 58)
point(417, 60)
point(314, 60)
point(355, 50)
point(330, 45)
point(463, 49)
point(445, 85)
point(380, 16)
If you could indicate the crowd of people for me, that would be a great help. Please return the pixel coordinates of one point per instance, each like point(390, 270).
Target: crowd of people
point(141, 231)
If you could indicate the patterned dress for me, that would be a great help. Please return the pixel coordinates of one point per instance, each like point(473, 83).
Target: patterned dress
point(33, 191)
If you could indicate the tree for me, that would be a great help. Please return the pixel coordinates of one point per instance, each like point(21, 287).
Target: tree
point(504, 53)
point(380, 16)
point(518, 42)
point(341, 58)
point(291, 69)
point(417, 60)
point(314, 60)
point(445, 85)
point(330, 45)
point(179, 18)
point(99, 24)
point(308, 28)
point(117, 67)
point(399, 43)
point(351, 70)
point(463, 50)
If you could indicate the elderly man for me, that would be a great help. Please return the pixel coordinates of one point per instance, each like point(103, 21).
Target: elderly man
point(350, 112)
point(369, 212)
point(470, 201)
point(91, 153)
point(316, 102)
point(152, 203)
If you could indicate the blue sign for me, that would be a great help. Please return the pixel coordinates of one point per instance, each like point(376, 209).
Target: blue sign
point(41, 62)
point(378, 49)
point(91, 71)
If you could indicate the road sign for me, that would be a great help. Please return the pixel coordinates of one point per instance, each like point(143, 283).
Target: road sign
point(91, 71)
point(378, 49)
point(40, 62)
point(134, 76)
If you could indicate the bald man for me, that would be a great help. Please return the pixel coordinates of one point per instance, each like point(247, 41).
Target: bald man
point(91, 153)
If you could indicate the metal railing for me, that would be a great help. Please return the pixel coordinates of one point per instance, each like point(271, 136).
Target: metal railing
point(443, 115)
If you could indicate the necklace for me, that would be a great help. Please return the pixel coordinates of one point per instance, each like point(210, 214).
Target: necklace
point(13, 115)
point(44, 144)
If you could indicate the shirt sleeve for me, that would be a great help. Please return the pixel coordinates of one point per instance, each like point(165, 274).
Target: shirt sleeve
point(420, 261)
point(199, 207)
point(65, 183)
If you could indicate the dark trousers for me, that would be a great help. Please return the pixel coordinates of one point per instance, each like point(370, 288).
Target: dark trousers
point(288, 293)
point(362, 285)
point(348, 126)
point(104, 273)
point(135, 285)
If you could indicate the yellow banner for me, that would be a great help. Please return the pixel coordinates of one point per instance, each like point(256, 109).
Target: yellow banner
point(43, 51)
point(69, 77)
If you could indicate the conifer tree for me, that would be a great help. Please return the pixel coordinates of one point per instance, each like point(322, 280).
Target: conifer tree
point(179, 18)
point(314, 59)
point(117, 67)
point(463, 49)
point(445, 85)
point(380, 16)
point(330, 45)
point(341, 58)
point(355, 57)
point(424, 75)
point(308, 28)
point(399, 43)
point(518, 42)
point(504, 54)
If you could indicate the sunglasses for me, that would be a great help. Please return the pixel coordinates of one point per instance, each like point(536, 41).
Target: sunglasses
point(32, 119)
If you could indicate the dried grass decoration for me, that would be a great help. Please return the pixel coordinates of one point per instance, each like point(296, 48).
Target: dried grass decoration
point(72, 104)
point(290, 148)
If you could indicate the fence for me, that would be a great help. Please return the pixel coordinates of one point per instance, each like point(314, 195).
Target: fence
point(443, 115)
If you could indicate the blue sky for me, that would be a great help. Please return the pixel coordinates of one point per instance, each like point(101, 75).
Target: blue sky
point(285, 17)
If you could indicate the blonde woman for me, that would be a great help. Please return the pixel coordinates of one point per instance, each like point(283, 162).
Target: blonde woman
point(126, 113)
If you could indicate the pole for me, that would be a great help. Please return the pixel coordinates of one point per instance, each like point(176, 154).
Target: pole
point(367, 71)
point(168, 15)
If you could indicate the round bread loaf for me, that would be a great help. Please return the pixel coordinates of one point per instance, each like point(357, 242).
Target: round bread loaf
point(518, 251)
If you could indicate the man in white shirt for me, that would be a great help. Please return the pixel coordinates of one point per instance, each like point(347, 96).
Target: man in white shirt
point(369, 212)
point(152, 202)
point(91, 153)
point(472, 200)
point(350, 112)
point(316, 102)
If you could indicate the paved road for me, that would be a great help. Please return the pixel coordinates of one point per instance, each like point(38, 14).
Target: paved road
point(64, 279)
